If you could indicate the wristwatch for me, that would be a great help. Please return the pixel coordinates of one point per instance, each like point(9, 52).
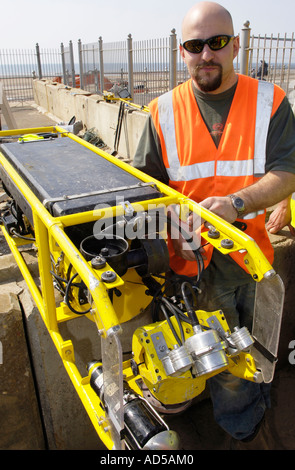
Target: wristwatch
point(238, 204)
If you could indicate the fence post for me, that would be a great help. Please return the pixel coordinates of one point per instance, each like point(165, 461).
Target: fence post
point(130, 66)
point(72, 64)
point(39, 61)
point(63, 63)
point(80, 63)
point(172, 59)
point(101, 67)
point(245, 43)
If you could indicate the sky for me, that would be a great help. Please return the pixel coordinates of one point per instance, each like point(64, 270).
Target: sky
point(25, 23)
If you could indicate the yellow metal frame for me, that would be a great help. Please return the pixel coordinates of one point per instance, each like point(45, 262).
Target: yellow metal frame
point(49, 230)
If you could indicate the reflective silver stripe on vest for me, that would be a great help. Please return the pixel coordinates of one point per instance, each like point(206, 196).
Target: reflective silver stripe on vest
point(253, 215)
point(167, 123)
point(234, 168)
point(263, 115)
point(176, 172)
point(192, 172)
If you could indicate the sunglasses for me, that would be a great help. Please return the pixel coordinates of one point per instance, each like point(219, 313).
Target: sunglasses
point(195, 46)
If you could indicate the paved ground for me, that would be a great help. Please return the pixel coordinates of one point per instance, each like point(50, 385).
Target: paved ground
point(196, 426)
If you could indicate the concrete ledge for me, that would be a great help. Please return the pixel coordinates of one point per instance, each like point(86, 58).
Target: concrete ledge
point(20, 420)
point(9, 270)
point(62, 103)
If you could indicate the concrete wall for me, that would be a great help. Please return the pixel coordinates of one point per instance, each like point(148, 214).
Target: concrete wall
point(63, 103)
point(21, 424)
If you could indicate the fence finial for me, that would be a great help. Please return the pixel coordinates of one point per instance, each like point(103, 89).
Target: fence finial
point(245, 43)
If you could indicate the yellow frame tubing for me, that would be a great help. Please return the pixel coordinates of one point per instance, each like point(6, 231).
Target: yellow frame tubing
point(54, 228)
point(44, 225)
point(20, 132)
point(47, 227)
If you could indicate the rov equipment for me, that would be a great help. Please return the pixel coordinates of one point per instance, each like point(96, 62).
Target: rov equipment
point(100, 228)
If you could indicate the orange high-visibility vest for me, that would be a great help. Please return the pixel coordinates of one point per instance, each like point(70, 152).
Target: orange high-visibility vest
point(198, 169)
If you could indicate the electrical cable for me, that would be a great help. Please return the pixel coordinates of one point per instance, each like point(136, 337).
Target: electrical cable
point(189, 308)
point(175, 313)
point(66, 297)
point(23, 237)
point(170, 325)
point(189, 239)
point(181, 314)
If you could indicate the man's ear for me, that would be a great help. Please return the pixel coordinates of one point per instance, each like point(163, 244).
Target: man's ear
point(181, 50)
point(236, 46)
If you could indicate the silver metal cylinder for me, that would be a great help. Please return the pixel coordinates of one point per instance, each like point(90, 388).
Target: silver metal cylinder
point(241, 339)
point(177, 361)
point(207, 352)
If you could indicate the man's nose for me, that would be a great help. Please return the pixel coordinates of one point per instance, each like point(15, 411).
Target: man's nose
point(207, 53)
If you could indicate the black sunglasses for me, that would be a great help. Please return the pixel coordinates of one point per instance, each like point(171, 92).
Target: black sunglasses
point(215, 43)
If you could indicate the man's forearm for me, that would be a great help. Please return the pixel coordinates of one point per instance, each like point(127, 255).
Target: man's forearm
point(269, 190)
point(273, 188)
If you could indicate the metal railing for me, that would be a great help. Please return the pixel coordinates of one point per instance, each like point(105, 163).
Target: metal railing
point(146, 68)
point(18, 69)
point(269, 58)
point(156, 65)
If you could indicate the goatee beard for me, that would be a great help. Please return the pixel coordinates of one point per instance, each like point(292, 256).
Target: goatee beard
point(206, 83)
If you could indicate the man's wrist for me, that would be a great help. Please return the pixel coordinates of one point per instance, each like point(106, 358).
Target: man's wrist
point(238, 204)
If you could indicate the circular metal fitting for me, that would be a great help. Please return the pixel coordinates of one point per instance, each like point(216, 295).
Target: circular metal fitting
point(177, 361)
point(214, 234)
point(227, 243)
point(98, 262)
point(108, 276)
point(207, 352)
point(241, 338)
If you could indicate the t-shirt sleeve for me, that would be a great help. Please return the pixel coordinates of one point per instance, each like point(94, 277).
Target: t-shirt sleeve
point(280, 147)
point(148, 155)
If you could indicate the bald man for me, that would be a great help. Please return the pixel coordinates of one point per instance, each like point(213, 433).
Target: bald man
point(226, 141)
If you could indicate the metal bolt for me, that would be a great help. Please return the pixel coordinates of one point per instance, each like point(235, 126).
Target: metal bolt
point(109, 276)
point(98, 262)
point(227, 243)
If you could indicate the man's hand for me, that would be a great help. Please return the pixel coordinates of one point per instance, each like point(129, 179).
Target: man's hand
point(191, 229)
point(280, 218)
point(221, 206)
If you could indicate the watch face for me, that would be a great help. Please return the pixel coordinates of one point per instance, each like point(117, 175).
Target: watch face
point(239, 203)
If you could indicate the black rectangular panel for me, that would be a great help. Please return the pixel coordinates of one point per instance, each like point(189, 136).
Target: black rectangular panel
point(69, 178)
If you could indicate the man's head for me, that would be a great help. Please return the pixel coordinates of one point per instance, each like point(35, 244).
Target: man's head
point(211, 70)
